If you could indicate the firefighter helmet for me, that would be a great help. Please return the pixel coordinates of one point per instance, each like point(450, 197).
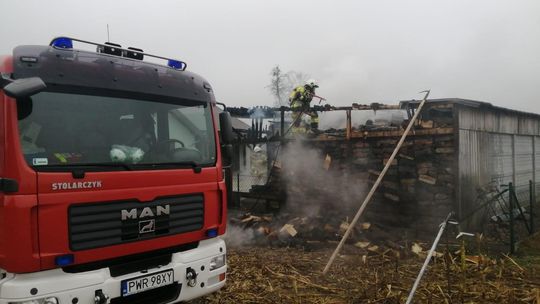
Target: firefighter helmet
point(312, 83)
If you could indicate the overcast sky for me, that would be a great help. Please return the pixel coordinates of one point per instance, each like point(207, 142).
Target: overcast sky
point(359, 51)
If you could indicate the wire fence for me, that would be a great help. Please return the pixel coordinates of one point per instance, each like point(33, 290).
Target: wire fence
point(243, 183)
point(508, 214)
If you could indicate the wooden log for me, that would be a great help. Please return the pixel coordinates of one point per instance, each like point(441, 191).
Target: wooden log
point(427, 179)
point(391, 185)
point(423, 142)
point(441, 196)
point(396, 133)
point(401, 155)
point(445, 150)
point(426, 124)
point(392, 197)
point(374, 172)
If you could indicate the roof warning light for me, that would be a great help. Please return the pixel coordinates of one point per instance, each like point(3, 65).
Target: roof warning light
point(62, 43)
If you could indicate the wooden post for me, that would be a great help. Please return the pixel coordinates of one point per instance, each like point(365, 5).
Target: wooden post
point(375, 186)
point(349, 124)
point(511, 214)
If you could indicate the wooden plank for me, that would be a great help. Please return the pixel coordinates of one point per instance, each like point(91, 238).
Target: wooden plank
point(349, 124)
point(398, 133)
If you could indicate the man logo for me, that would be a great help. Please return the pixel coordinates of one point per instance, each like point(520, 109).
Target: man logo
point(147, 226)
point(133, 214)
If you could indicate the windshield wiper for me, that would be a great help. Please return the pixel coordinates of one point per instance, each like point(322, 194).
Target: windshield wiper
point(128, 167)
point(183, 164)
point(125, 166)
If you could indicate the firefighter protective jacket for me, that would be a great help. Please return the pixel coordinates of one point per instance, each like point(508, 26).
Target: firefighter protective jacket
point(300, 97)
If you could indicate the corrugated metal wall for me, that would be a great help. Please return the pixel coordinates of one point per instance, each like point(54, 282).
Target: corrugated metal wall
point(537, 163)
point(473, 168)
point(500, 157)
point(495, 147)
point(523, 159)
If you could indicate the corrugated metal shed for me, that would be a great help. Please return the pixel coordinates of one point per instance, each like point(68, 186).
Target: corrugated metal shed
point(501, 151)
point(496, 145)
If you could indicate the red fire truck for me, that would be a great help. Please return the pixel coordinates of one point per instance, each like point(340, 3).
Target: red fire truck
point(112, 184)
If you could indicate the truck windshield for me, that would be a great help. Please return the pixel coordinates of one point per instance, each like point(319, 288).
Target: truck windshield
point(61, 130)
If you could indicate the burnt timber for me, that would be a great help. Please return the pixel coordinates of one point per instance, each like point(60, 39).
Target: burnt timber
point(456, 147)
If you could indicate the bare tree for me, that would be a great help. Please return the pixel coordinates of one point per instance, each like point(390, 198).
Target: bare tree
point(282, 84)
point(278, 86)
point(295, 78)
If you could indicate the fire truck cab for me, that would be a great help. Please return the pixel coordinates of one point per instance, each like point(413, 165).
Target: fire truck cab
point(112, 186)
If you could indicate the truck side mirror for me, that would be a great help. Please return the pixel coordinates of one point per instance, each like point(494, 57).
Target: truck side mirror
point(24, 87)
point(226, 138)
point(226, 128)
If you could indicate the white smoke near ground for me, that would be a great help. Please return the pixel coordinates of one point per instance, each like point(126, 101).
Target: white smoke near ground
point(321, 194)
point(238, 237)
point(318, 185)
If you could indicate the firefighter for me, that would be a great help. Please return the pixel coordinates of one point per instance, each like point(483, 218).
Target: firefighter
point(300, 100)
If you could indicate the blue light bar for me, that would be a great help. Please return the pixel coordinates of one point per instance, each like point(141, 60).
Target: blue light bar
point(176, 64)
point(133, 53)
point(212, 232)
point(62, 43)
point(64, 260)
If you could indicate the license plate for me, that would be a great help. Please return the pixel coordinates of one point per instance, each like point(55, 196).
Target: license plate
point(147, 282)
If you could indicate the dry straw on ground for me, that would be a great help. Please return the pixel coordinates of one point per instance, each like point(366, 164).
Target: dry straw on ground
point(380, 275)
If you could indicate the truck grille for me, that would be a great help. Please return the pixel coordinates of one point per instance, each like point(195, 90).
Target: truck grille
point(104, 224)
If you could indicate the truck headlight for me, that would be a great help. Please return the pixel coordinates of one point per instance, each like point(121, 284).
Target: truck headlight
point(47, 300)
point(217, 262)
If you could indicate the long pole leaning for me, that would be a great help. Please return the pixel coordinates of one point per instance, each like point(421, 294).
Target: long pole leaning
point(375, 186)
point(428, 258)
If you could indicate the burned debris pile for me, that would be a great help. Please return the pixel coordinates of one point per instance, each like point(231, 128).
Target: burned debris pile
point(323, 180)
point(419, 189)
point(309, 233)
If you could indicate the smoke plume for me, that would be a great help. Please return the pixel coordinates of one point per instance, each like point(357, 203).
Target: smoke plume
point(317, 185)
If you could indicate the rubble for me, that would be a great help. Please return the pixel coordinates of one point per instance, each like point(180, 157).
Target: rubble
point(419, 188)
point(310, 233)
point(289, 229)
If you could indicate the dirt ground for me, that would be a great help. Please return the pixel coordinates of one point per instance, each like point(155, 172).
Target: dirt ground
point(377, 275)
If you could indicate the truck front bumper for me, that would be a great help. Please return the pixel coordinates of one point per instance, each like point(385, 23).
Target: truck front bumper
point(83, 287)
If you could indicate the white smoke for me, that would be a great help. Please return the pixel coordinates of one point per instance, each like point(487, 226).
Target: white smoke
point(317, 184)
point(238, 237)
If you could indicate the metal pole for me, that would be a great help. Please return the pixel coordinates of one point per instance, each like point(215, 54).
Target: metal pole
point(428, 258)
point(532, 196)
point(238, 188)
point(375, 186)
point(282, 125)
point(511, 214)
point(260, 129)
